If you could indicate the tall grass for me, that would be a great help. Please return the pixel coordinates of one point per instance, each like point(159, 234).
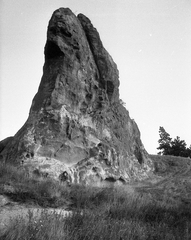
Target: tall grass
point(97, 213)
point(105, 214)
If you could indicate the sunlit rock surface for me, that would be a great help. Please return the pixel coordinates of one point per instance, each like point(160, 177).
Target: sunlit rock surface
point(77, 130)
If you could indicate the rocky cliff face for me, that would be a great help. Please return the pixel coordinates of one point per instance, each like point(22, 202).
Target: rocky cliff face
point(77, 129)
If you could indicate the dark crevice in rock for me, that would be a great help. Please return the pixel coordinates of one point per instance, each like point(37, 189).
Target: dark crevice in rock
point(75, 44)
point(107, 162)
point(110, 89)
point(110, 179)
point(96, 46)
point(65, 32)
point(53, 30)
point(78, 55)
point(138, 155)
point(113, 180)
point(60, 31)
point(95, 169)
point(88, 97)
point(52, 50)
point(64, 177)
point(122, 180)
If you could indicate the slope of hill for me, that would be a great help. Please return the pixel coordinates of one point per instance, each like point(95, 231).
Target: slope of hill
point(171, 180)
point(157, 208)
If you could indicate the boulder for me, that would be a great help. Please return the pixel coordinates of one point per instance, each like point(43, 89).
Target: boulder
point(77, 130)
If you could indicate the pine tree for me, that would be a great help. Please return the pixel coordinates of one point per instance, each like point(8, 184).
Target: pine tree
point(178, 147)
point(164, 142)
point(188, 151)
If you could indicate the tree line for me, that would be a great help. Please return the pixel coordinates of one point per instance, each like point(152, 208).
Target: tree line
point(174, 147)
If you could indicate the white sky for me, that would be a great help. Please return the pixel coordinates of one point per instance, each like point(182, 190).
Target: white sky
point(150, 41)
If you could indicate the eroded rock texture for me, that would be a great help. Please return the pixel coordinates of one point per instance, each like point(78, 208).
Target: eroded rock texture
point(77, 129)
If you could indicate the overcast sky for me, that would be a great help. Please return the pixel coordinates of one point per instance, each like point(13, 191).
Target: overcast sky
point(150, 41)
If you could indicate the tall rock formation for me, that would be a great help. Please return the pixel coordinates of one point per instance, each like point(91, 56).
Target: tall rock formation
point(77, 129)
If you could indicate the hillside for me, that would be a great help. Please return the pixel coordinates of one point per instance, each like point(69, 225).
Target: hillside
point(171, 180)
point(156, 208)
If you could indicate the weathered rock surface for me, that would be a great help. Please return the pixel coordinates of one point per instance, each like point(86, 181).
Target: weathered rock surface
point(4, 143)
point(77, 129)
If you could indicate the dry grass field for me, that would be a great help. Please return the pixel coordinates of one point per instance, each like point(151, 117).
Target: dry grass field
point(159, 208)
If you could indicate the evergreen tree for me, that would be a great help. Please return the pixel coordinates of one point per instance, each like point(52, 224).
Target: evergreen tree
point(164, 142)
point(188, 152)
point(178, 147)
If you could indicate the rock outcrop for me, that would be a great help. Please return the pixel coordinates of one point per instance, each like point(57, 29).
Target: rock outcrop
point(4, 143)
point(77, 129)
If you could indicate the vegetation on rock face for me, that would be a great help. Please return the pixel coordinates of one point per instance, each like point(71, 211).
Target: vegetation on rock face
point(176, 147)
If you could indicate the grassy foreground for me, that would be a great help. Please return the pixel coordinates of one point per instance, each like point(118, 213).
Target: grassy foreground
point(115, 214)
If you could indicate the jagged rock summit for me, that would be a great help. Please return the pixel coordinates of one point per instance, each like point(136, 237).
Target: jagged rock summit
point(77, 129)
